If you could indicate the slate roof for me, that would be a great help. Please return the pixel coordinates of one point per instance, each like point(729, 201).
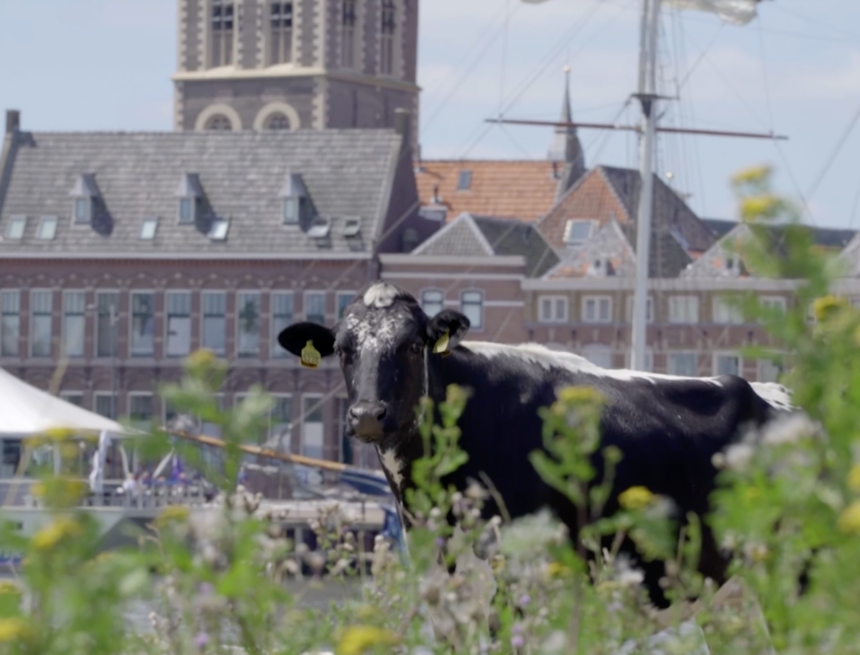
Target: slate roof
point(471, 235)
point(519, 189)
point(347, 173)
point(826, 237)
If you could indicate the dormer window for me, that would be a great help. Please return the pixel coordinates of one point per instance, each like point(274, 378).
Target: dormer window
point(218, 231)
point(577, 231)
point(464, 180)
point(16, 227)
point(190, 195)
point(47, 228)
point(149, 228)
point(295, 202)
point(84, 195)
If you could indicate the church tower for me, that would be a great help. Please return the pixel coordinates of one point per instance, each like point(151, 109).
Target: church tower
point(300, 64)
point(566, 148)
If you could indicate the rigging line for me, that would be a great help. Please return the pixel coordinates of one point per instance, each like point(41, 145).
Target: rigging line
point(476, 141)
point(504, 54)
point(839, 144)
point(702, 55)
point(764, 74)
point(516, 143)
point(739, 96)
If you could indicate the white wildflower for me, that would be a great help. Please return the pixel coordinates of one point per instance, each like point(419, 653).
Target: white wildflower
point(790, 429)
point(739, 455)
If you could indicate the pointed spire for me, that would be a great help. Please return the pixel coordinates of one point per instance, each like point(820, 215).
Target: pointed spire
point(566, 147)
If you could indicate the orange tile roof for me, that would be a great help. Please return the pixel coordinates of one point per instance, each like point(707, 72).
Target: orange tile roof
point(522, 189)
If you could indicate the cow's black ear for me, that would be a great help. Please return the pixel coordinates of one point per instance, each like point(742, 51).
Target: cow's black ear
point(295, 338)
point(446, 330)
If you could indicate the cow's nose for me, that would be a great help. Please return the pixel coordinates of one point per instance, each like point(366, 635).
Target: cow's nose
point(366, 418)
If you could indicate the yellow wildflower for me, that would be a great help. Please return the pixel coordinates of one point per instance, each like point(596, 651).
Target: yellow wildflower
point(59, 434)
point(849, 519)
point(765, 205)
point(854, 478)
point(171, 513)
point(55, 532)
point(8, 588)
point(357, 639)
point(636, 498)
point(201, 358)
point(824, 307)
point(555, 570)
point(579, 395)
point(13, 629)
point(751, 175)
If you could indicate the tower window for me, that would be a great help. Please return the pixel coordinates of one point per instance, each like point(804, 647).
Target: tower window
point(219, 123)
point(388, 29)
point(347, 54)
point(281, 35)
point(222, 33)
point(277, 121)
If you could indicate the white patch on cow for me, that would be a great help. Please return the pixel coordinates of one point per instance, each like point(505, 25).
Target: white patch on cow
point(372, 334)
point(549, 359)
point(380, 295)
point(393, 465)
point(773, 394)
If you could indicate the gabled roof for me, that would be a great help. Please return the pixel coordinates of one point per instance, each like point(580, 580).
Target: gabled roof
point(347, 174)
point(826, 237)
point(471, 235)
point(523, 190)
point(608, 245)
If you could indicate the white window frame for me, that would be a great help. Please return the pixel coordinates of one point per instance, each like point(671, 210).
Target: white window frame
point(15, 220)
point(727, 353)
point(244, 355)
point(311, 292)
point(147, 221)
point(88, 210)
point(553, 317)
point(286, 447)
point(568, 229)
point(32, 317)
point(693, 353)
point(131, 294)
point(735, 313)
point(597, 300)
point(225, 294)
point(337, 297)
point(64, 326)
point(17, 352)
point(775, 301)
point(682, 300)
point(431, 290)
point(52, 232)
point(277, 351)
point(167, 315)
point(304, 397)
point(140, 394)
point(649, 309)
point(106, 394)
point(114, 329)
point(480, 326)
point(285, 54)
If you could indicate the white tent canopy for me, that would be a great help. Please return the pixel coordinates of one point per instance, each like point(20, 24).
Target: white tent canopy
point(26, 410)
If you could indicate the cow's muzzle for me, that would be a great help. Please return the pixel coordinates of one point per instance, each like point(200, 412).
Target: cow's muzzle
point(366, 419)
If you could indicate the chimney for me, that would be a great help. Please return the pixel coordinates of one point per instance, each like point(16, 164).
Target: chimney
point(13, 120)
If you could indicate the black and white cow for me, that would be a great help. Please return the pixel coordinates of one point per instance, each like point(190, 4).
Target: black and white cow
point(668, 428)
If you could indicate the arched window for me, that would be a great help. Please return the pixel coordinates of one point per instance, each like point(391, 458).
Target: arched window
point(221, 41)
point(278, 121)
point(388, 28)
point(219, 123)
point(348, 30)
point(281, 32)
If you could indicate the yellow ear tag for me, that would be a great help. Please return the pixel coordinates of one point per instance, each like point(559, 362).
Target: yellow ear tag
point(310, 355)
point(442, 345)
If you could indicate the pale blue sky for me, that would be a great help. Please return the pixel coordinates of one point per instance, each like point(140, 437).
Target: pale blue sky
point(105, 65)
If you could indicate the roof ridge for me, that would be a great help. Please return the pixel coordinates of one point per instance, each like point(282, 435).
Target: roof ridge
point(482, 239)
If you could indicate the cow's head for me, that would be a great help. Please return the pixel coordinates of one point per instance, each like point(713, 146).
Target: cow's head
point(384, 343)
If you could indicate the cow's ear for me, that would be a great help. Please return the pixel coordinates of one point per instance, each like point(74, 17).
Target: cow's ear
point(446, 330)
point(309, 341)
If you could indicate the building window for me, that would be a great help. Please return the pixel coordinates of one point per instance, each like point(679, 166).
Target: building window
point(140, 410)
point(178, 323)
point(344, 298)
point(777, 303)
point(552, 309)
point(277, 121)
point(248, 317)
point(107, 306)
point(727, 312)
point(388, 30)
point(281, 34)
point(16, 227)
point(315, 307)
point(598, 354)
point(577, 231)
point(291, 211)
point(83, 210)
point(75, 398)
point(47, 228)
point(312, 426)
point(596, 309)
point(219, 123)
point(222, 33)
point(472, 305)
point(283, 308)
point(727, 364)
point(649, 309)
point(649, 361)
point(464, 180)
point(215, 321)
point(74, 319)
point(683, 309)
point(142, 325)
point(280, 423)
point(187, 207)
point(42, 316)
point(768, 370)
point(348, 20)
point(104, 404)
point(10, 323)
point(685, 364)
point(432, 302)
point(149, 227)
